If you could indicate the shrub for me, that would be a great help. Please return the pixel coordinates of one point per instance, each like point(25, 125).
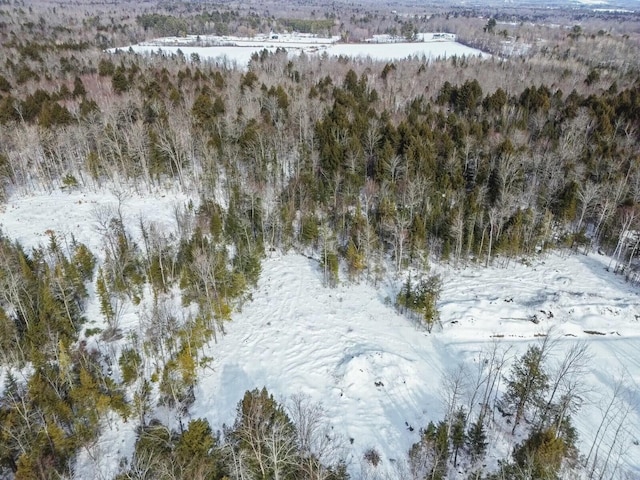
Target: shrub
point(372, 456)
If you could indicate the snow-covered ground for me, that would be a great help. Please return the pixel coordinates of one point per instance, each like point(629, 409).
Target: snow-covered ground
point(377, 374)
point(28, 218)
point(613, 10)
point(374, 371)
point(238, 51)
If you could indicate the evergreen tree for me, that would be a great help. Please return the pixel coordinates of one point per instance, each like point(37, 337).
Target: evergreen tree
point(458, 437)
point(265, 435)
point(542, 454)
point(527, 382)
point(106, 308)
point(477, 440)
point(355, 260)
point(421, 299)
point(130, 364)
point(119, 81)
point(197, 453)
point(428, 457)
point(78, 88)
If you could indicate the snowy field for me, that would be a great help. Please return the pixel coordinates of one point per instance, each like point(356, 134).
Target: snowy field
point(28, 218)
point(233, 51)
point(376, 373)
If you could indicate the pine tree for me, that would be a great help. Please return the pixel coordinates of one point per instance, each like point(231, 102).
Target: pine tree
point(441, 450)
point(329, 262)
point(265, 435)
point(404, 298)
point(542, 454)
point(8, 333)
point(477, 440)
point(527, 382)
point(196, 451)
point(355, 260)
point(458, 437)
point(421, 299)
point(119, 81)
point(309, 230)
point(84, 261)
point(106, 308)
point(428, 457)
point(78, 88)
point(130, 365)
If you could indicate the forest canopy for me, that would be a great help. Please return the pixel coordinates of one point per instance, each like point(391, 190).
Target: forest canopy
point(367, 167)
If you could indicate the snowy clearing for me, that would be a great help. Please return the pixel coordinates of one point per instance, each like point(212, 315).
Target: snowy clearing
point(233, 51)
point(377, 374)
point(28, 219)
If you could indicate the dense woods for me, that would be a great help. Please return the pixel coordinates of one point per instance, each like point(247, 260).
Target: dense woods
point(368, 167)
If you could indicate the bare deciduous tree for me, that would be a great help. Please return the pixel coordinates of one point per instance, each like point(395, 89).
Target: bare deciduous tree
point(318, 445)
point(588, 193)
point(567, 384)
point(607, 447)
